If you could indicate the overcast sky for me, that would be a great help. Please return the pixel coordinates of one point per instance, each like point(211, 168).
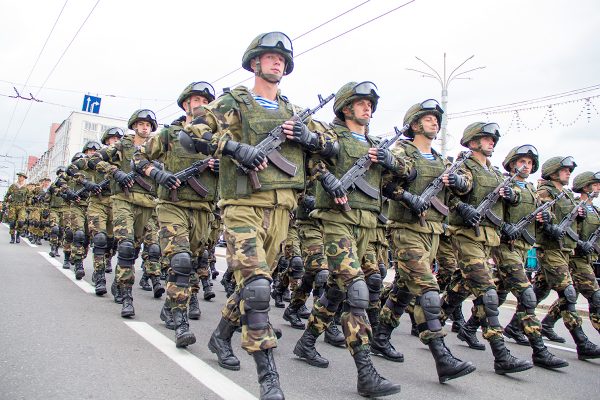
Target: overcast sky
point(145, 52)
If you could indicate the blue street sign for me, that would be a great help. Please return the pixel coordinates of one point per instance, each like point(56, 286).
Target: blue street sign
point(91, 104)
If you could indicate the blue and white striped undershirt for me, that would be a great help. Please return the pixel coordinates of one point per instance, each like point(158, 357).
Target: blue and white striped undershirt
point(428, 156)
point(360, 138)
point(521, 184)
point(266, 103)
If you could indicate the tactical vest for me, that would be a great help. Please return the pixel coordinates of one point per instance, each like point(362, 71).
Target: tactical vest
point(56, 201)
point(484, 182)
point(97, 177)
point(18, 195)
point(257, 122)
point(589, 224)
point(526, 206)
point(427, 171)
point(560, 209)
point(351, 150)
point(176, 159)
point(127, 150)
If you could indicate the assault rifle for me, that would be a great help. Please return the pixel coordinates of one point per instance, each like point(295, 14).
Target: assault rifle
point(524, 222)
point(567, 221)
point(188, 176)
point(138, 178)
point(430, 193)
point(354, 177)
point(485, 207)
point(593, 239)
point(83, 191)
point(269, 146)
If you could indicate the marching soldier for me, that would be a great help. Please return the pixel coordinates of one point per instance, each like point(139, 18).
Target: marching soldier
point(57, 209)
point(15, 200)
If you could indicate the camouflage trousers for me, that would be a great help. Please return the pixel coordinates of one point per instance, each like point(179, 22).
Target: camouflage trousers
point(290, 248)
point(476, 277)
point(77, 221)
point(554, 275)
point(586, 284)
point(56, 219)
point(216, 229)
point(347, 248)
point(35, 221)
point(67, 240)
point(100, 220)
point(138, 225)
point(182, 230)
point(447, 263)
point(510, 271)
point(253, 236)
point(16, 218)
point(414, 254)
point(310, 235)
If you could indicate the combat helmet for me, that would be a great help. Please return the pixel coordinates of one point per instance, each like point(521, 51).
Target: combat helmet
point(112, 132)
point(553, 164)
point(277, 42)
point(427, 107)
point(204, 89)
point(352, 91)
point(480, 129)
point(22, 174)
point(91, 145)
point(77, 156)
point(521, 151)
point(60, 169)
point(585, 178)
point(143, 115)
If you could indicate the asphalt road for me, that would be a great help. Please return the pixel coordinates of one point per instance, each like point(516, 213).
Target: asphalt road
point(58, 340)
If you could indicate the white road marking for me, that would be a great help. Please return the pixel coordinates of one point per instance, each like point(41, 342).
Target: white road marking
point(83, 285)
point(205, 374)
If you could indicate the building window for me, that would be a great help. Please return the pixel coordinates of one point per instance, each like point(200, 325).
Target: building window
point(90, 126)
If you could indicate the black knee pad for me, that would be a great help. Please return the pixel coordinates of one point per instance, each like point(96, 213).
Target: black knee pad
point(382, 270)
point(321, 278)
point(490, 304)
point(297, 267)
point(570, 296)
point(100, 243)
point(374, 285)
point(431, 304)
point(502, 295)
point(256, 295)
point(181, 266)
point(403, 299)
point(282, 264)
point(306, 283)
point(154, 252)
point(79, 238)
point(357, 297)
point(332, 298)
point(528, 300)
point(202, 260)
point(126, 254)
point(55, 232)
point(68, 235)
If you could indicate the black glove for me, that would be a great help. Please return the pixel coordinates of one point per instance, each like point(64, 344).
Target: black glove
point(246, 154)
point(304, 136)
point(509, 195)
point(163, 178)
point(386, 159)
point(92, 187)
point(583, 214)
point(332, 185)
point(553, 231)
point(457, 182)
point(546, 218)
point(71, 196)
point(509, 232)
point(584, 248)
point(123, 179)
point(415, 202)
point(216, 165)
point(469, 214)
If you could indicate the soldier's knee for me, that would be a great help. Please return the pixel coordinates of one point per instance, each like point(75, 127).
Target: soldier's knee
point(297, 267)
point(55, 232)
point(358, 297)
point(68, 235)
point(431, 305)
point(374, 286)
point(321, 278)
point(490, 305)
point(126, 254)
point(528, 300)
point(203, 260)
point(332, 298)
point(382, 270)
point(100, 243)
point(79, 238)
point(181, 268)
point(154, 252)
point(256, 295)
point(570, 296)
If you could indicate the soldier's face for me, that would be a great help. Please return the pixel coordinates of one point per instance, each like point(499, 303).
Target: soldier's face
point(594, 187)
point(526, 163)
point(112, 140)
point(484, 145)
point(429, 126)
point(193, 102)
point(89, 152)
point(142, 128)
point(564, 174)
point(272, 66)
point(21, 179)
point(359, 111)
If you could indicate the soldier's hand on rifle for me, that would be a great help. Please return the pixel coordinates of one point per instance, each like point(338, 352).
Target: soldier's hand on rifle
point(582, 213)
point(164, 178)
point(246, 154)
point(509, 232)
point(455, 181)
point(543, 217)
point(384, 157)
point(553, 231)
point(297, 131)
point(584, 248)
point(333, 186)
point(123, 179)
point(415, 202)
point(92, 187)
point(469, 214)
point(508, 194)
point(213, 164)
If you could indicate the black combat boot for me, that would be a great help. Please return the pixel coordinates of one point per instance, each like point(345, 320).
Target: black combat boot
point(513, 331)
point(67, 260)
point(163, 274)
point(334, 336)
point(183, 336)
point(213, 270)
point(286, 295)
point(542, 357)
point(12, 239)
point(468, 333)
point(585, 349)
point(303, 312)
point(17, 238)
point(207, 289)
point(193, 307)
point(370, 383)
point(268, 378)
point(167, 317)
point(447, 366)
point(227, 282)
point(504, 362)
point(116, 291)
point(127, 310)
point(373, 315)
point(79, 271)
point(157, 288)
point(305, 349)
point(144, 284)
point(53, 250)
point(38, 240)
point(548, 329)
point(220, 344)
point(277, 295)
point(458, 319)
point(291, 315)
point(381, 345)
point(100, 283)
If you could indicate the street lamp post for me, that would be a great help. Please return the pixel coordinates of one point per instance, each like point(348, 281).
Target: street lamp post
point(444, 81)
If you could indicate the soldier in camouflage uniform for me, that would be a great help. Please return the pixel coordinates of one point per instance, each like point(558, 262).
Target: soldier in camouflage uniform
point(348, 237)
point(216, 230)
point(580, 264)
point(184, 220)
point(57, 208)
point(133, 206)
point(289, 268)
point(474, 181)
point(415, 228)
point(34, 199)
point(44, 204)
point(256, 221)
point(15, 200)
